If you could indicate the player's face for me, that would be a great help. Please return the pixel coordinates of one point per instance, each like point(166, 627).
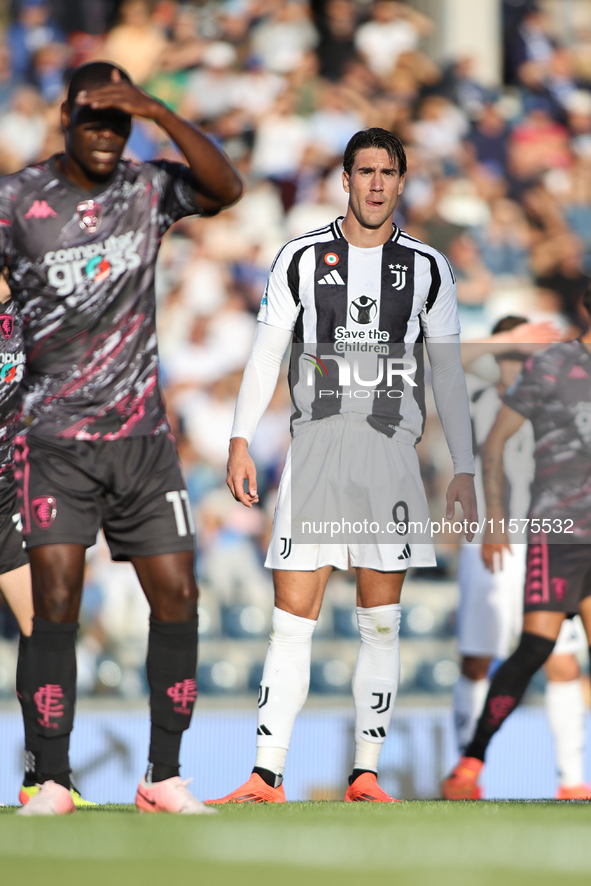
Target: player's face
point(373, 186)
point(95, 141)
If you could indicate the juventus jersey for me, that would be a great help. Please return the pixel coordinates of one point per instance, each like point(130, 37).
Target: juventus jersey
point(12, 364)
point(81, 267)
point(359, 317)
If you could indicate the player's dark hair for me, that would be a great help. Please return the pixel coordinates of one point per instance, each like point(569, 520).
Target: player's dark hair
point(375, 138)
point(506, 324)
point(92, 76)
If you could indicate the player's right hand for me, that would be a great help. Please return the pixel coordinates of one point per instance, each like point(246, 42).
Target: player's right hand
point(492, 555)
point(240, 468)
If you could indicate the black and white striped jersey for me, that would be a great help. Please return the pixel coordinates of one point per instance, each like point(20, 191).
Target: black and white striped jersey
point(360, 309)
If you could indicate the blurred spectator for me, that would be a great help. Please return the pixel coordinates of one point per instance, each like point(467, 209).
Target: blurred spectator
point(538, 143)
point(135, 44)
point(394, 29)
point(33, 30)
point(210, 89)
point(335, 22)
point(281, 39)
point(489, 139)
point(22, 130)
point(528, 44)
point(505, 240)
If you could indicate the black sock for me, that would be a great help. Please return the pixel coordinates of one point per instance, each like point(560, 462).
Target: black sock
point(28, 712)
point(270, 778)
point(357, 772)
point(171, 669)
point(50, 679)
point(507, 689)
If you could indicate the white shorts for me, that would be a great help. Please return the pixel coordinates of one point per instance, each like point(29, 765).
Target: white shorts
point(490, 610)
point(370, 475)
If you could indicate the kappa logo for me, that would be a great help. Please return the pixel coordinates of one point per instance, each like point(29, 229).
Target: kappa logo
point(332, 278)
point(44, 510)
point(6, 325)
point(559, 586)
point(47, 698)
point(183, 694)
point(399, 272)
point(41, 209)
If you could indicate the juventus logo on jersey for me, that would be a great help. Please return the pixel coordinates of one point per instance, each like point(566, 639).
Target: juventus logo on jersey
point(399, 272)
point(333, 278)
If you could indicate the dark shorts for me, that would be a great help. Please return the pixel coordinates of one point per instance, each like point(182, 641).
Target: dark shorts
point(558, 577)
point(132, 488)
point(12, 546)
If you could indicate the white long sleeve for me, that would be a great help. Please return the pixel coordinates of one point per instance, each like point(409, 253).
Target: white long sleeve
point(260, 378)
point(451, 399)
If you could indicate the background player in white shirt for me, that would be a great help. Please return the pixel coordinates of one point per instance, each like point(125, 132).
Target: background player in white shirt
point(490, 611)
point(362, 279)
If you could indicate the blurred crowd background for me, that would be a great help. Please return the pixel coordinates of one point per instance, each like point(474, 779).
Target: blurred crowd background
point(498, 137)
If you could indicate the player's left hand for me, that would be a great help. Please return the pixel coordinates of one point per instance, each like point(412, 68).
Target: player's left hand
point(461, 489)
point(122, 96)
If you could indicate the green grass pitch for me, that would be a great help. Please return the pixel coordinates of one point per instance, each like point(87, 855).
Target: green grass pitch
point(333, 844)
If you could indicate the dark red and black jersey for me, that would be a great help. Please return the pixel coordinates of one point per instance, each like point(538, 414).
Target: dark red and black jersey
point(12, 364)
point(82, 267)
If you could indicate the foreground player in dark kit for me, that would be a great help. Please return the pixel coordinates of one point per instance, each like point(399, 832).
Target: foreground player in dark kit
point(554, 393)
point(80, 234)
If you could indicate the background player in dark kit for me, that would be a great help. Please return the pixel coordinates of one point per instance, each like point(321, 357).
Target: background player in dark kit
point(554, 392)
point(15, 574)
point(80, 234)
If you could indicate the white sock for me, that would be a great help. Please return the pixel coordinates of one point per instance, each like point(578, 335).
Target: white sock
point(375, 681)
point(565, 708)
point(284, 687)
point(469, 698)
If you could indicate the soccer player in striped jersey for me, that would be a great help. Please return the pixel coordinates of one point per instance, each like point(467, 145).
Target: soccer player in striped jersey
point(359, 286)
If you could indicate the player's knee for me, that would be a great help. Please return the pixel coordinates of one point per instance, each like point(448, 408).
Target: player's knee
point(475, 667)
point(380, 625)
point(533, 652)
point(56, 603)
point(179, 601)
point(562, 668)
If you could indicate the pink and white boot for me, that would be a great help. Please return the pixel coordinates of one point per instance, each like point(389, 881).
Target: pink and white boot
point(170, 795)
point(52, 799)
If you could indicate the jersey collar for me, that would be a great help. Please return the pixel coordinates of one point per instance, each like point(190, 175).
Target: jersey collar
point(338, 231)
point(94, 192)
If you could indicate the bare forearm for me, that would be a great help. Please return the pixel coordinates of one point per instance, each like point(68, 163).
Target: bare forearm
point(217, 180)
point(492, 476)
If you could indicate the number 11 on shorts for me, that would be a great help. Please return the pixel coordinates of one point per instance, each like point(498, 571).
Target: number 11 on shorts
point(176, 499)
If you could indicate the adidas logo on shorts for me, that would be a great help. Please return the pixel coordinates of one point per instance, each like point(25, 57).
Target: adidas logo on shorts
point(333, 278)
point(405, 553)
